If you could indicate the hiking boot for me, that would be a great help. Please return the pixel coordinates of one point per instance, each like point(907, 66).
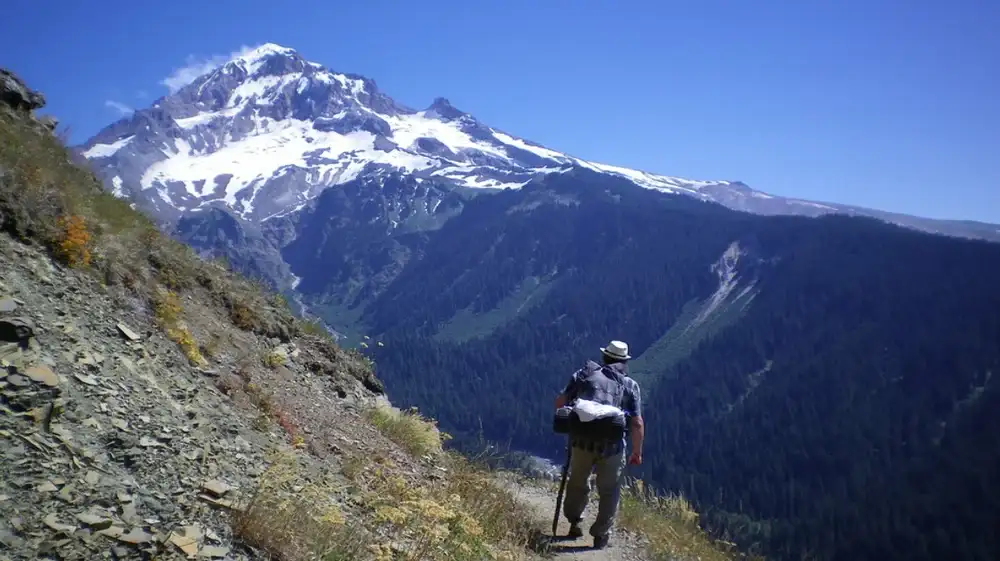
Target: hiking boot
point(600, 542)
point(575, 531)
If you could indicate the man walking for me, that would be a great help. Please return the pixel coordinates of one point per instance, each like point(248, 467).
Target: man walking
point(608, 384)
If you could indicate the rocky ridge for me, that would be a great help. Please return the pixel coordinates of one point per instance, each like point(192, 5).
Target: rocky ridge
point(15, 94)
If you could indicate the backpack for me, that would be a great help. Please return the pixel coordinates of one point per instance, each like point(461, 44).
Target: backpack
point(600, 384)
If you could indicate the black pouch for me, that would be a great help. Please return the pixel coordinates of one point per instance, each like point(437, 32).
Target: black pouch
point(562, 421)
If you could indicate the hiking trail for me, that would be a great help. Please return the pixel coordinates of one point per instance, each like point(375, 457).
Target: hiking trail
point(541, 498)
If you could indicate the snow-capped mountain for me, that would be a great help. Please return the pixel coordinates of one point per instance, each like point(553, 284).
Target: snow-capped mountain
point(266, 132)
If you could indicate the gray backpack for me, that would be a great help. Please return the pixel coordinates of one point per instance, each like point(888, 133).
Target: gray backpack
point(601, 384)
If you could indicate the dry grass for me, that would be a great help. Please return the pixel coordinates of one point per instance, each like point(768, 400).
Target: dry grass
point(458, 513)
point(670, 525)
point(417, 435)
point(243, 316)
point(503, 518)
point(374, 511)
point(460, 516)
point(293, 517)
point(313, 327)
point(168, 311)
point(47, 199)
point(270, 411)
point(211, 347)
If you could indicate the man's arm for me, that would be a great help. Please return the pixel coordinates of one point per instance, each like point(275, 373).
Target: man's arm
point(638, 432)
point(637, 428)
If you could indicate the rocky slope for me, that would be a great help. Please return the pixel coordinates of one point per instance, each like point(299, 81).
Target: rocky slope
point(112, 445)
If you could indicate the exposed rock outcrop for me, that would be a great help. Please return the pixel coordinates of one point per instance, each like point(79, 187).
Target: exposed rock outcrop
point(15, 94)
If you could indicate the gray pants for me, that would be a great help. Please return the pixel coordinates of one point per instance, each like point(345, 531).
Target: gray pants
point(609, 473)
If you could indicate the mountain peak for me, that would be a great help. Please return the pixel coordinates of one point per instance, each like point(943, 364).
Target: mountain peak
point(274, 59)
point(263, 51)
point(443, 108)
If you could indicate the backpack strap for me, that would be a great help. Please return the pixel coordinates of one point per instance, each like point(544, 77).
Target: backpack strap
point(619, 378)
point(615, 376)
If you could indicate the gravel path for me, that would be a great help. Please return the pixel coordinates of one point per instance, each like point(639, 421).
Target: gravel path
point(541, 497)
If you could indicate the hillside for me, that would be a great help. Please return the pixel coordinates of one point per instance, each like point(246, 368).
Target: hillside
point(154, 405)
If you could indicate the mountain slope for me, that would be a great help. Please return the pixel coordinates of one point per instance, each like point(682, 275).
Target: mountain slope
point(265, 133)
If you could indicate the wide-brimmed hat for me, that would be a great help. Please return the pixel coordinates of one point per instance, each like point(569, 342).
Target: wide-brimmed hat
point(617, 350)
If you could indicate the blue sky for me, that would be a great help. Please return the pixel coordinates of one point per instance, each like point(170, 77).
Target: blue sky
point(891, 104)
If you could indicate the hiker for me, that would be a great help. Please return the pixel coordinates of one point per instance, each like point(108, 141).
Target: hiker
point(607, 384)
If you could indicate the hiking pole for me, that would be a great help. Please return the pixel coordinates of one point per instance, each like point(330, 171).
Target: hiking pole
point(562, 487)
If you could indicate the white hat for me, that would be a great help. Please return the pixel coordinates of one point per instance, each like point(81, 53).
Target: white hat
point(616, 349)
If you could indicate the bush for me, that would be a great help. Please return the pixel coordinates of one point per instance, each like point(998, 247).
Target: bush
point(273, 359)
point(313, 327)
point(243, 316)
point(73, 249)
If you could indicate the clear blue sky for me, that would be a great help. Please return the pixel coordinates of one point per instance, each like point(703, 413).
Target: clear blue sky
point(891, 104)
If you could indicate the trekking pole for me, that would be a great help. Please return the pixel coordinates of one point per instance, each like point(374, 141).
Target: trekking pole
point(562, 487)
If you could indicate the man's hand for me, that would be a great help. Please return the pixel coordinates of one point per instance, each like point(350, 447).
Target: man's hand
point(560, 400)
point(635, 458)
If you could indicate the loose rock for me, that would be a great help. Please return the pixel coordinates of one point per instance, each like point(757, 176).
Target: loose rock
point(94, 522)
point(136, 536)
point(216, 487)
point(128, 333)
point(43, 375)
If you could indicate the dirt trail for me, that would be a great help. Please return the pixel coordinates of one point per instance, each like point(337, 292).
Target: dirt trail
point(542, 500)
